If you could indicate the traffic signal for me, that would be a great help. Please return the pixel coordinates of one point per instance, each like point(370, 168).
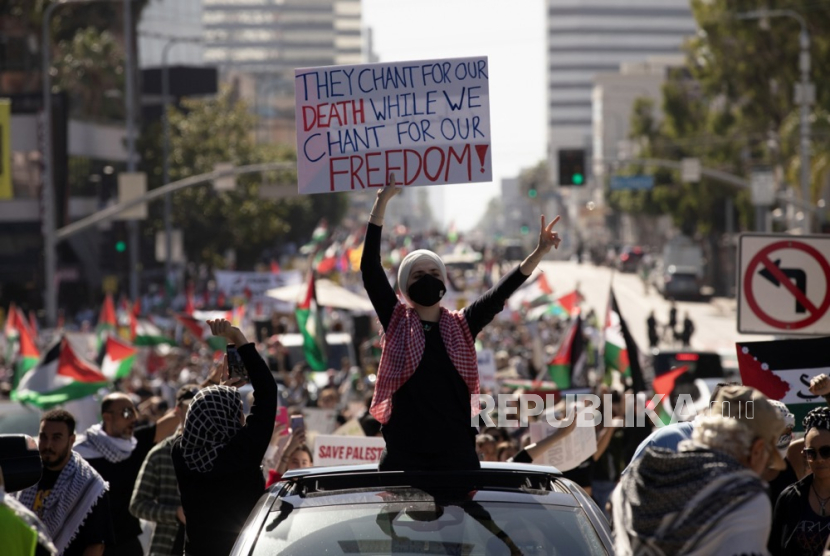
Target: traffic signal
point(120, 246)
point(571, 166)
point(531, 193)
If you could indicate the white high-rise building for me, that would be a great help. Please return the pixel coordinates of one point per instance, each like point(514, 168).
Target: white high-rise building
point(162, 20)
point(269, 39)
point(588, 37)
point(267, 36)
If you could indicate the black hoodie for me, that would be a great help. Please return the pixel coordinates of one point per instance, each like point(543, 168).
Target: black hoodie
point(217, 503)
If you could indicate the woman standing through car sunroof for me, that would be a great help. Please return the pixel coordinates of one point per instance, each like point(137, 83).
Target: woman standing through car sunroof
point(428, 369)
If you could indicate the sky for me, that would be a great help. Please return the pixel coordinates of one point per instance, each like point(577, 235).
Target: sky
point(512, 36)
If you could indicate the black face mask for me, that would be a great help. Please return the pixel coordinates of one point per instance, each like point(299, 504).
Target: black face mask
point(427, 290)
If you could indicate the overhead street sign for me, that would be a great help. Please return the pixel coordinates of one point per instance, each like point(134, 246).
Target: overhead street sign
point(631, 182)
point(784, 284)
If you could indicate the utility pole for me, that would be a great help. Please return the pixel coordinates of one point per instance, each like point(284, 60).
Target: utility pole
point(50, 240)
point(165, 176)
point(129, 62)
point(805, 95)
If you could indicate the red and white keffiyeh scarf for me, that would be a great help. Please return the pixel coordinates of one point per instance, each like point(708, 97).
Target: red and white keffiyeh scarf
point(403, 346)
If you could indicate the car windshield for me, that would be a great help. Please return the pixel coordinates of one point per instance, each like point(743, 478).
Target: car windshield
point(424, 527)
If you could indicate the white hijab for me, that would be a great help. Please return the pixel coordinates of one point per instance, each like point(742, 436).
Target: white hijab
point(409, 261)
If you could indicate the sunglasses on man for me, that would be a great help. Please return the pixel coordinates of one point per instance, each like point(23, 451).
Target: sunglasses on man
point(811, 453)
point(127, 412)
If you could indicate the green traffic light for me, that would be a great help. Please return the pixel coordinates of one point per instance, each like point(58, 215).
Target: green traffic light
point(525, 230)
point(578, 179)
point(531, 193)
point(120, 246)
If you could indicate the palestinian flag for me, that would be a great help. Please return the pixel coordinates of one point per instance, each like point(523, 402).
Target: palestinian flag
point(532, 293)
point(10, 332)
point(148, 334)
point(782, 370)
point(318, 236)
point(570, 302)
point(27, 354)
point(117, 358)
point(200, 330)
point(33, 327)
point(621, 353)
point(310, 323)
point(567, 368)
point(107, 320)
point(664, 385)
point(59, 377)
point(190, 303)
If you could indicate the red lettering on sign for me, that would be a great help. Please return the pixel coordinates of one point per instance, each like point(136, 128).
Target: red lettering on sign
point(371, 169)
point(328, 114)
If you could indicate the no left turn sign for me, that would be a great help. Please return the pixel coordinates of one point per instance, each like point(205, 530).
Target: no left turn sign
point(784, 284)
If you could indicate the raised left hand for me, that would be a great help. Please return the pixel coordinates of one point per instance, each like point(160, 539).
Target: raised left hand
point(547, 237)
point(820, 385)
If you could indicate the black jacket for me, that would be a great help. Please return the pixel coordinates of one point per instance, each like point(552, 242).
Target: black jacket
point(788, 513)
point(217, 503)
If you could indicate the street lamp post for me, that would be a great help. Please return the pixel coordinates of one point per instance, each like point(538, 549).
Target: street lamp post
point(805, 95)
point(48, 226)
point(165, 99)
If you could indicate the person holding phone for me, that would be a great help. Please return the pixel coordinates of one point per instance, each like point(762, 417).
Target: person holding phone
point(295, 454)
point(217, 458)
point(428, 371)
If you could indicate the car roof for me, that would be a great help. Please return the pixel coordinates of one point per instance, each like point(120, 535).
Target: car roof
point(364, 484)
point(373, 468)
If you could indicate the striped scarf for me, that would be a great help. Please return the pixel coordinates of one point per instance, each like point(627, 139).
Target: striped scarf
point(403, 346)
point(675, 498)
point(78, 488)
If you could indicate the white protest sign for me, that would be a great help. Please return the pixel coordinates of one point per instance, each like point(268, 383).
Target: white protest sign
point(487, 369)
point(569, 452)
point(322, 421)
point(426, 121)
point(240, 284)
point(347, 450)
point(351, 427)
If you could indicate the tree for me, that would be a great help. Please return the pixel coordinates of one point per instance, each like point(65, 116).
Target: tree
point(208, 131)
point(90, 67)
point(732, 106)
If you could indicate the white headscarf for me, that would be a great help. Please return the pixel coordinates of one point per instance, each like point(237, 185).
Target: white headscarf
point(409, 261)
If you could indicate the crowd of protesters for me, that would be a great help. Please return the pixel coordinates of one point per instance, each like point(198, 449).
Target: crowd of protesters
point(174, 444)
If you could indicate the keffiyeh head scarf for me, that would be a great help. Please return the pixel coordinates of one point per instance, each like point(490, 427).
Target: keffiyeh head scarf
point(211, 422)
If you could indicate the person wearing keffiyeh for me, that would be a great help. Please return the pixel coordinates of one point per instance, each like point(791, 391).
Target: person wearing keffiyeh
point(218, 455)
point(71, 497)
point(428, 372)
point(116, 448)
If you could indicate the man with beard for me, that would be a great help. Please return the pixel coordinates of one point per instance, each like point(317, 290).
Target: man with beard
point(116, 449)
point(71, 498)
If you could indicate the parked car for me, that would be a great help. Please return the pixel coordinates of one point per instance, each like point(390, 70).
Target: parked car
point(360, 510)
point(680, 284)
point(680, 273)
point(630, 258)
